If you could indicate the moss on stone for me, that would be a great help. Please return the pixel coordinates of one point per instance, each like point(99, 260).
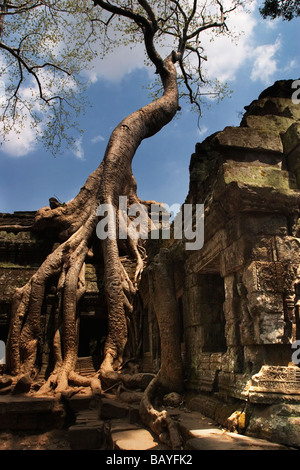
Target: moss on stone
point(261, 176)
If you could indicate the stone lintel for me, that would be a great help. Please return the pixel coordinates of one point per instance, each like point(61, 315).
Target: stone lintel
point(275, 384)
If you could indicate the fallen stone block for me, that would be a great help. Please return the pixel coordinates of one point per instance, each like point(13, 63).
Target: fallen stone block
point(86, 436)
point(111, 409)
point(125, 436)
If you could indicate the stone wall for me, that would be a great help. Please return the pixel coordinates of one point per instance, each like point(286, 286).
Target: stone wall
point(240, 292)
point(21, 253)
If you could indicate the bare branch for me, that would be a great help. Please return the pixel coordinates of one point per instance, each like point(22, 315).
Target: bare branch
point(186, 77)
point(145, 25)
point(181, 20)
point(31, 70)
point(150, 13)
point(55, 66)
point(178, 6)
point(139, 19)
point(204, 28)
point(11, 9)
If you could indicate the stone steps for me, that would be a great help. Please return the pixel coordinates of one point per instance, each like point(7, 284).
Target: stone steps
point(88, 433)
point(117, 427)
point(85, 366)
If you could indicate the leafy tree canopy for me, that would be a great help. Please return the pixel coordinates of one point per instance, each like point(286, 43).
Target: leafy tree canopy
point(46, 45)
point(286, 9)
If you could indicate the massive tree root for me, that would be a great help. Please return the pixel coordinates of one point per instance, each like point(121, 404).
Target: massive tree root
point(75, 224)
point(170, 375)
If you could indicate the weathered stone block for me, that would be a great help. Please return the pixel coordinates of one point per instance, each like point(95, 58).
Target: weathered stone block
point(275, 105)
point(12, 277)
point(258, 176)
point(271, 328)
point(291, 140)
point(263, 248)
point(204, 360)
point(231, 359)
point(19, 412)
point(262, 224)
point(248, 138)
point(126, 436)
point(207, 380)
point(276, 423)
point(254, 357)
point(204, 404)
point(269, 122)
point(264, 277)
point(86, 436)
point(234, 384)
point(111, 409)
point(272, 381)
point(231, 333)
point(291, 144)
point(233, 257)
point(288, 249)
point(246, 328)
point(216, 361)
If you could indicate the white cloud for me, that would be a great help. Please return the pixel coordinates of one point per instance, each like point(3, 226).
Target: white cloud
point(227, 55)
point(19, 144)
point(22, 138)
point(265, 63)
point(97, 138)
point(117, 63)
point(203, 131)
point(290, 67)
point(225, 60)
point(271, 24)
point(78, 149)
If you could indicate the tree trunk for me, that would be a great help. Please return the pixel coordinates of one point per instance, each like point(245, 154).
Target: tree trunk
point(75, 224)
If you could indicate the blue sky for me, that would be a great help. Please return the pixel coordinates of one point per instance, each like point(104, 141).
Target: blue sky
point(267, 51)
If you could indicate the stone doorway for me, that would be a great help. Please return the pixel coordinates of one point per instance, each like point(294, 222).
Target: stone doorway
point(212, 313)
point(92, 334)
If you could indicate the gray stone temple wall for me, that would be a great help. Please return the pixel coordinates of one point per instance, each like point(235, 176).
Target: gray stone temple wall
point(240, 292)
